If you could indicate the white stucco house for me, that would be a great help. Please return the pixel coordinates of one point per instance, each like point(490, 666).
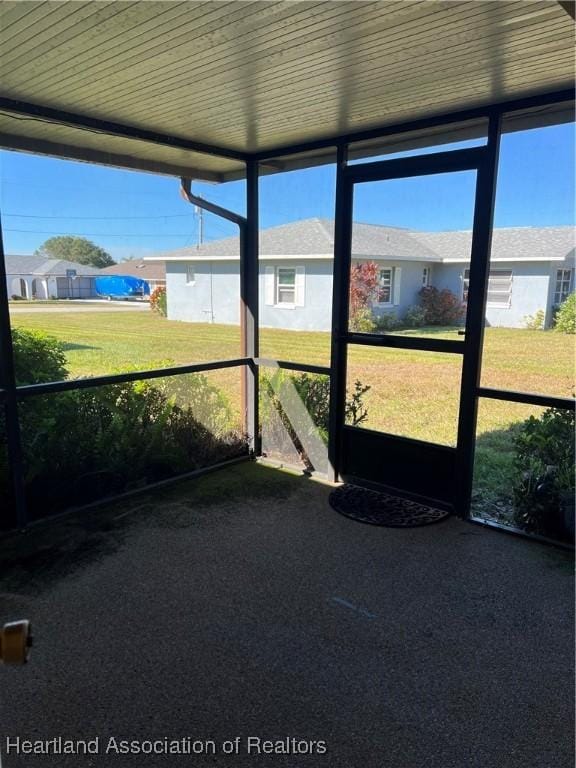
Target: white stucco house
point(531, 269)
point(36, 277)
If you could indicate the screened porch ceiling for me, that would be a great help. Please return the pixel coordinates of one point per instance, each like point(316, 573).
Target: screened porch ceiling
point(250, 77)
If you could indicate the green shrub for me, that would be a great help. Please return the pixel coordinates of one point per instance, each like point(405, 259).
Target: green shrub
point(85, 444)
point(362, 321)
point(158, 301)
point(440, 307)
point(314, 392)
point(544, 468)
point(565, 319)
point(535, 322)
point(38, 358)
point(386, 322)
point(356, 412)
point(415, 317)
point(208, 403)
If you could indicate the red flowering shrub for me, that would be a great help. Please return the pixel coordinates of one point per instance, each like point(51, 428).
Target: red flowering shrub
point(158, 300)
point(440, 307)
point(363, 292)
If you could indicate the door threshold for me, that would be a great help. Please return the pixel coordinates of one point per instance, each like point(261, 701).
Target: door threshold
point(400, 493)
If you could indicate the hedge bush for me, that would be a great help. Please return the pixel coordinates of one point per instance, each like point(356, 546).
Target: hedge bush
point(362, 321)
point(158, 301)
point(441, 307)
point(536, 321)
point(415, 317)
point(38, 358)
point(314, 392)
point(565, 320)
point(86, 444)
point(544, 467)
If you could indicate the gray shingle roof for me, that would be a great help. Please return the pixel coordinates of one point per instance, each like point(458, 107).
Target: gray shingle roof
point(315, 237)
point(147, 270)
point(526, 243)
point(41, 266)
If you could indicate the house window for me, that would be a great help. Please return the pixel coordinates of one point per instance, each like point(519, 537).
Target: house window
point(285, 285)
point(426, 277)
point(385, 286)
point(563, 285)
point(499, 287)
point(190, 274)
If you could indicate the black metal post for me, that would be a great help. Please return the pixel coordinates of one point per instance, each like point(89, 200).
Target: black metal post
point(8, 383)
point(340, 292)
point(249, 302)
point(479, 273)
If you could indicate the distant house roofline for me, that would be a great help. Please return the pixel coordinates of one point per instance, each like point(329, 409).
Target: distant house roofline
point(153, 269)
point(40, 266)
point(314, 239)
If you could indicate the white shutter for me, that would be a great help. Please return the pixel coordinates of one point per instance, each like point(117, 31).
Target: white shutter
point(397, 279)
point(300, 283)
point(269, 286)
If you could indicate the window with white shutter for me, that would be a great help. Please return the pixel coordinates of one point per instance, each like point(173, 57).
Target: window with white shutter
point(285, 286)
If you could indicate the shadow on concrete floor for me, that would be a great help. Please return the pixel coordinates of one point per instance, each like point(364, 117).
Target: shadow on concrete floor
point(241, 605)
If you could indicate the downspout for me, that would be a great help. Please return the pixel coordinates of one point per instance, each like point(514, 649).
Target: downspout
point(248, 288)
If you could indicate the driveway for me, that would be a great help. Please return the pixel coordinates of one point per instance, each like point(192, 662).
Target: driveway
point(78, 305)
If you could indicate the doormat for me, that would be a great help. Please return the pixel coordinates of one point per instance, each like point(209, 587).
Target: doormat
point(378, 508)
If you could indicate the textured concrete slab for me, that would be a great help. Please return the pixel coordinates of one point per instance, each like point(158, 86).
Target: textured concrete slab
point(242, 605)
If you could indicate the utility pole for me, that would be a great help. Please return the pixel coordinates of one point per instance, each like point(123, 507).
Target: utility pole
point(200, 213)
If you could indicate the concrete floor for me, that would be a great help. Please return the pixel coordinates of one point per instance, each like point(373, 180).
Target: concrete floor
point(241, 605)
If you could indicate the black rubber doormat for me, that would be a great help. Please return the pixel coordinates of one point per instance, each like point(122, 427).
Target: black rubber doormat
point(379, 508)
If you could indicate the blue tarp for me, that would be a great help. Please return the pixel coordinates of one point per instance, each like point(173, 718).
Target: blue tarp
point(121, 287)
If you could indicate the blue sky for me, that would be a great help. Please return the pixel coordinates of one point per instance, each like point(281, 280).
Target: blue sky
point(135, 214)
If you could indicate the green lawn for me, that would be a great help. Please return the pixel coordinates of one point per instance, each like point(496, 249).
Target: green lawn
point(412, 393)
point(415, 394)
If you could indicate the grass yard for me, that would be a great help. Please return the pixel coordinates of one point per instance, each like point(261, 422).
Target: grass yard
point(415, 394)
point(412, 393)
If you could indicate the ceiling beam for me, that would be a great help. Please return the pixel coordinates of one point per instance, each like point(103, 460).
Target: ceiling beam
point(103, 157)
point(25, 110)
point(569, 6)
point(528, 102)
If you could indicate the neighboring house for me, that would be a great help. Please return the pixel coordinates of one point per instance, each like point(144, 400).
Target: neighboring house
point(531, 269)
point(153, 272)
point(36, 277)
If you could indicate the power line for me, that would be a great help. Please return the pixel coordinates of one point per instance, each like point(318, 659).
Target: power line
point(99, 218)
point(95, 234)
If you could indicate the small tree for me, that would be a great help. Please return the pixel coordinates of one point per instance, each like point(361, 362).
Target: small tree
point(79, 249)
point(363, 292)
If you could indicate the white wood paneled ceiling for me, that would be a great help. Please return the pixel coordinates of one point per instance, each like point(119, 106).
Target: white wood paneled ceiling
point(251, 76)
